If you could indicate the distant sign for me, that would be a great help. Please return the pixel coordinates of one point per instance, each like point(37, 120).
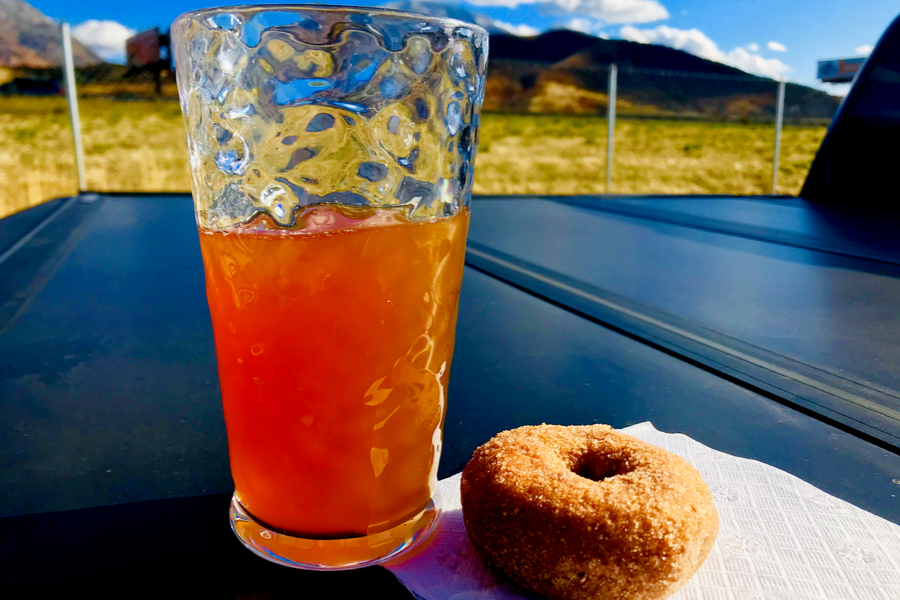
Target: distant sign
point(840, 70)
point(143, 49)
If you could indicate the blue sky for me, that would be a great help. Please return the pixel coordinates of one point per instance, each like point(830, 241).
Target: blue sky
point(769, 37)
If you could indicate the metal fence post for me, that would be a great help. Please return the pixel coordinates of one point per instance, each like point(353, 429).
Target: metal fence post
point(72, 97)
point(611, 125)
point(779, 118)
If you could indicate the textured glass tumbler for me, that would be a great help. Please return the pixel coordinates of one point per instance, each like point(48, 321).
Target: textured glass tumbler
point(331, 158)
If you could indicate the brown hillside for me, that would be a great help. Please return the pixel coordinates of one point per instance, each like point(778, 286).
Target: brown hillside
point(29, 38)
point(567, 72)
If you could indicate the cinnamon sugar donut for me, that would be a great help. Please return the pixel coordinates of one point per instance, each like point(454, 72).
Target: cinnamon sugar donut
point(587, 512)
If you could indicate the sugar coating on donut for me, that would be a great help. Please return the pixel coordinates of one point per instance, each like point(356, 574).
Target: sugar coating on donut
point(587, 512)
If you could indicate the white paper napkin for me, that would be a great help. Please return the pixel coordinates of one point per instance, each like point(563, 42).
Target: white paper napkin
point(779, 539)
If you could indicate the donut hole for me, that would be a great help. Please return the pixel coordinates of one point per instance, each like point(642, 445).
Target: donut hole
point(599, 467)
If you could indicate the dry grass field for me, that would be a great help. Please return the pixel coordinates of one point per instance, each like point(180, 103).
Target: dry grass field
point(139, 147)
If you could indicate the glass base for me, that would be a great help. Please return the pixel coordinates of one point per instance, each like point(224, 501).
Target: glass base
point(331, 554)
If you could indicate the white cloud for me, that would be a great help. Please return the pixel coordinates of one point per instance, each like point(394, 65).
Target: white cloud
point(521, 30)
point(689, 40)
point(776, 47)
point(581, 24)
point(696, 42)
point(610, 11)
point(754, 63)
point(837, 89)
point(865, 50)
point(106, 38)
point(619, 11)
point(752, 47)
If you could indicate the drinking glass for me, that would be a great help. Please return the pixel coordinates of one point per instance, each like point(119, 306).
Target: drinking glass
point(331, 154)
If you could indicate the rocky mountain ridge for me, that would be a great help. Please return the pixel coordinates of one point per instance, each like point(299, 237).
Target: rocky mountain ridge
point(31, 39)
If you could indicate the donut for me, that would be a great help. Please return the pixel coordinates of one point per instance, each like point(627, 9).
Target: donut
point(587, 512)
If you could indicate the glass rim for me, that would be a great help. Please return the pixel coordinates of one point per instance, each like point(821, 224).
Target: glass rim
point(328, 8)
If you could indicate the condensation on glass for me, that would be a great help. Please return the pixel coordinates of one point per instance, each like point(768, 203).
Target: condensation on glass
point(291, 106)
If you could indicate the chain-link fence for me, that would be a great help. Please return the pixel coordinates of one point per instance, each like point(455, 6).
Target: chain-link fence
point(37, 159)
point(544, 131)
point(131, 129)
point(131, 122)
point(687, 133)
point(675, 132)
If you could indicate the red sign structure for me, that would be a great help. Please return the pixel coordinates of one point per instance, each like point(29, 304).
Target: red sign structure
point(143, 49)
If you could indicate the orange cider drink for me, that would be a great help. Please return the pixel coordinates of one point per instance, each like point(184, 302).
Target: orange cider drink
point(334, 341)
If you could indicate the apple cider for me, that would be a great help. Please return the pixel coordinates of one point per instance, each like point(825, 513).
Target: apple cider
point(334, 340)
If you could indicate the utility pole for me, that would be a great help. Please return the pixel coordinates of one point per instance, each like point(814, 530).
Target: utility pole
point(72, 97)
point(611, 125)
point(779, 118)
